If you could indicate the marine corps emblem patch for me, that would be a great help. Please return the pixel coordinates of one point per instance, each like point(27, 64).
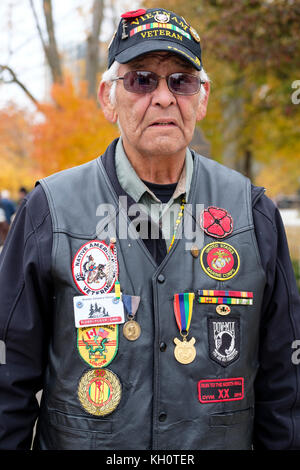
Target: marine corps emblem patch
point(95, 268)
point(98, 345)
point(220, 261)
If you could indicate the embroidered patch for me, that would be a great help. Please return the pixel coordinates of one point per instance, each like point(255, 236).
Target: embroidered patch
point(95, 268)
point(98, 345)
point(149, 26)
point(220, 261)
point(99, 391)
point(216, 222)
point(218, 390)
point(224, 340)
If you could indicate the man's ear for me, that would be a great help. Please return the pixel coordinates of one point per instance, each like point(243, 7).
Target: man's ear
point(201, 113)
point(108, 108)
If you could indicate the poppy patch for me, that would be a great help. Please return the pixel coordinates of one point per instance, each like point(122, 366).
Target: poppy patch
point(216, 222)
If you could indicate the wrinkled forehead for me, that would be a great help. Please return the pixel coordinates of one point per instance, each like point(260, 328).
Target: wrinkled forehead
point(158, 58)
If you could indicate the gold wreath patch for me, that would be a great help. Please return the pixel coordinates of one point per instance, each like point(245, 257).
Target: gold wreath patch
point(99, 391)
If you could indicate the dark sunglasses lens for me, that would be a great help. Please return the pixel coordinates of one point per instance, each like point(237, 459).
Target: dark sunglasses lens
point(184, 83)
point(140, 82)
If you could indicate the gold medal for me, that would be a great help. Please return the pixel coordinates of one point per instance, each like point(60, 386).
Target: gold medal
point(185, 351)
point(99, 392)
point(131, 330)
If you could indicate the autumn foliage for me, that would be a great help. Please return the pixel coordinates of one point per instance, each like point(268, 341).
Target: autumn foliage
point(17, 167)
point(73, 129)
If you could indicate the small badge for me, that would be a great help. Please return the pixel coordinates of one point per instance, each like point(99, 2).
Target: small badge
point(99, 391)
point(162, 17)
point(95, 268)
point(224, 340)
point(216, 222)
point(220, 261)
point(218, 390)
point(194, 34)
point(98, 345)
point(223, 309)
point(101, 310)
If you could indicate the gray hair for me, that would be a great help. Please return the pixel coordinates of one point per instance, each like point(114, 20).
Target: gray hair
point(112, 74)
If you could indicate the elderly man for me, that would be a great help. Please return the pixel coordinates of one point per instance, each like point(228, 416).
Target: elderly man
point(144, 333)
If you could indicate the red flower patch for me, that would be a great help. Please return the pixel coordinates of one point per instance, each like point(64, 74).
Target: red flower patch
point(216, 222)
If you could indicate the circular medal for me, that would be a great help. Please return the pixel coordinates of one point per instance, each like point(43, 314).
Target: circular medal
point(131, 330)
point(95, 268)
point(220, 261)
point(99, 392)
point(185, 351)
point(98, 345)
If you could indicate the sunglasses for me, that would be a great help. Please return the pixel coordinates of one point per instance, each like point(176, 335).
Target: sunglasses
point(180, 83)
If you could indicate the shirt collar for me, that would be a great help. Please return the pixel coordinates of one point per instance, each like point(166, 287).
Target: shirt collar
point(134, 186)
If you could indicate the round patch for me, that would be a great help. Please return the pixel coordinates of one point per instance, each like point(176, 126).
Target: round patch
point(95, 268)
point(220, 261)
point(162, 17)
point(98, 345)
point(216, 222)
point(99, 392)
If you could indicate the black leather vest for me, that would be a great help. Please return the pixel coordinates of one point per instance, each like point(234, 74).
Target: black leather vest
point(206, 404)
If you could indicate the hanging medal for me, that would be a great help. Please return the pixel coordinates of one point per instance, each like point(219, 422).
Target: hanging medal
point(131, 329)
point(185, 351)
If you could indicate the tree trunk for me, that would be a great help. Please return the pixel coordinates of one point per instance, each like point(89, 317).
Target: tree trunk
point(51, 48)
point(92, 57)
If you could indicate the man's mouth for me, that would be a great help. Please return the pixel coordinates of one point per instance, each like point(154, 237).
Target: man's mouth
point(163, 123)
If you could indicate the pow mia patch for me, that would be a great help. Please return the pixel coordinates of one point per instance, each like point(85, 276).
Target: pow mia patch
point(224, 340)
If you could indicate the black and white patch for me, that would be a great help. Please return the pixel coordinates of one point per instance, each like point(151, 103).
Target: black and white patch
point(224, 340)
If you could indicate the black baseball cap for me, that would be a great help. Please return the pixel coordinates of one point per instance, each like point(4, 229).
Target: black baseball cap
point(143, 31)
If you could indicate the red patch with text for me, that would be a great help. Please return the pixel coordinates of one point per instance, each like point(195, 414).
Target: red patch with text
point(218, 390)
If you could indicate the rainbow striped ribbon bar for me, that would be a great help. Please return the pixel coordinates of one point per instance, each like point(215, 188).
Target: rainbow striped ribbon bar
point(144, 27)
point(226, 293)
point(224, 300)
point(183, 310)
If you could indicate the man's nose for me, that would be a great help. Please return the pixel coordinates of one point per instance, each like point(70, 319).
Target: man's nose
point(162, 96)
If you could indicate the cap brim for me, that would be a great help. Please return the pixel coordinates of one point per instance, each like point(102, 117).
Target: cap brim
point(153, 45)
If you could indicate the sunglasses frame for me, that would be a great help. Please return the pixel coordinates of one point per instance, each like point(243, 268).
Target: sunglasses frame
point(158, 77)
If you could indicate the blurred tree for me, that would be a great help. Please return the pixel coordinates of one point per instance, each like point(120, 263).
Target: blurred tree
point(250, 50)
point(73, 130)
point(52, 53)
point(17, 168)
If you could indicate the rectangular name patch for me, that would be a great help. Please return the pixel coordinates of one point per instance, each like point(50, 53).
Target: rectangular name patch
point(103, 309)
point(217, 390)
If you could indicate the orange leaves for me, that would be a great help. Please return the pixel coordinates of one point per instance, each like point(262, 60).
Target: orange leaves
point(73, 129)
point(17, 168)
